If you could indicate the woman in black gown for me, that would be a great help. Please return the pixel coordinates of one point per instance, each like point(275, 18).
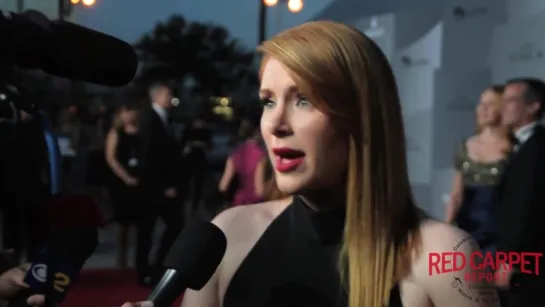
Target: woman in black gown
point(351, 235)
point(122, 156)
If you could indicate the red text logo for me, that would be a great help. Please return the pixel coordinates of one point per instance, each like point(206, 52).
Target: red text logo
point(483, 266)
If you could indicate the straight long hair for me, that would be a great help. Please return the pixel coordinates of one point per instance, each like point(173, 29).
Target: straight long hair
point(347, 77)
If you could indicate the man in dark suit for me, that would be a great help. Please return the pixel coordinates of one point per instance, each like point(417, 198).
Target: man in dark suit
point(160, 169)
point(521, 214)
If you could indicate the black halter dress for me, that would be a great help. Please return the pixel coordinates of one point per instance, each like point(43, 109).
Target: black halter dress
point(295, 263)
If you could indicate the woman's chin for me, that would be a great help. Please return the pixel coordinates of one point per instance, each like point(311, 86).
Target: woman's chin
point(288, 186)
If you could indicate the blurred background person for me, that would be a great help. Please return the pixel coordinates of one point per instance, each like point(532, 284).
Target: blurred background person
point(521, 212)
point(102, 120)
point(479, 165)
point(196, 142)
point(160, 180)
point(122, 152)
point(97, 172)
point(246, 167)
point(69, 133)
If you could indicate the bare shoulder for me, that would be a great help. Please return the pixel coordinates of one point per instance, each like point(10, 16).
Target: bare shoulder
point(437, 235)
point(439, 238)
point(243, 226)
point(472, 141)
point(440, 272)
point(243, 220)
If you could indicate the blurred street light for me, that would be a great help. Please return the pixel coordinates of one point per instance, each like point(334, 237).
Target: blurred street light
point(224, 101)
point(84, 2)
point(88, 2)
point(295, 6)
point(270, 2)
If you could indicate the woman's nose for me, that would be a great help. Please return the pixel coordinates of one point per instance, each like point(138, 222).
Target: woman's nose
point(280, 125)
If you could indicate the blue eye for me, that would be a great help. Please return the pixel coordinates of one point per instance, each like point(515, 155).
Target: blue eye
point(302, 102)
point(266, 102)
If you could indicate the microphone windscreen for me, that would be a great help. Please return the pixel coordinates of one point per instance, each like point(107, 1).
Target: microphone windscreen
point(75, 244)
point(82, 54)
point(73, 211)
point(196, 253)
point(21, 38)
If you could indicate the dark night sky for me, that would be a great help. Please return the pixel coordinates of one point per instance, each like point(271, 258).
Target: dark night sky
point(129, 19)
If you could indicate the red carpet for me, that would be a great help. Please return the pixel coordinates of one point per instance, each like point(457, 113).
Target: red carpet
point(106, 288)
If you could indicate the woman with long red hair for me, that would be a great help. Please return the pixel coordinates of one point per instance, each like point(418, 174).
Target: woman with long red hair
point(351, 235)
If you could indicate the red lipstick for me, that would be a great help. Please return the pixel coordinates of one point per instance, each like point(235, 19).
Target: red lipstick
point(287, 159)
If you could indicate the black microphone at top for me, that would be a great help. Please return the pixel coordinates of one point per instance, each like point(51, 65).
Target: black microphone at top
point(191, 262)
point(82, 54)
point(65, 49)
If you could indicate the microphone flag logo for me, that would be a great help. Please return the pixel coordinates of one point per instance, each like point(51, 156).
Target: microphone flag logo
point(39, 272)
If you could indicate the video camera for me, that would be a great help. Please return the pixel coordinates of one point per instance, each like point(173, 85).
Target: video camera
point(59, 48)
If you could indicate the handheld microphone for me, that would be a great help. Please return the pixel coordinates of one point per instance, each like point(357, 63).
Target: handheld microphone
point(191, 262)
point(58, 264)
point(66, 50)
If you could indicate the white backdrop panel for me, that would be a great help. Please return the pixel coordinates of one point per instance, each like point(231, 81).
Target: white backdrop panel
point(410, 26)
point(521, 9)
point(468, 28)
point(456, 97)
point(381, 30)
point(517, 49)
point(440, 186)
point(418, 133)
point(425, 51)
point(415, 85)
point(414, 68)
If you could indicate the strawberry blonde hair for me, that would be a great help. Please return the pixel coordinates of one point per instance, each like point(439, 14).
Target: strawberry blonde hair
point(347, 77)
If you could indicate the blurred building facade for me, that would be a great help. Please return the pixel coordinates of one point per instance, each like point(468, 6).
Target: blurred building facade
point(443, 54)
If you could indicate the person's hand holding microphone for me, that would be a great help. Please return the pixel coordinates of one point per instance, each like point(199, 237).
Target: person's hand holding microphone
point(47, 280)
point(11, 284)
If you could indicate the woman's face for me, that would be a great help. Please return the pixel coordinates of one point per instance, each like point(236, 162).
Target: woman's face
point(128, 117)
point(489, 109)
point(306, 150)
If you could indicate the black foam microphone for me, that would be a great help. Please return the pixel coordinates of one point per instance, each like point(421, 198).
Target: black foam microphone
point(66, 50)
point(191, 262)
point(83, 54)
point(58, 264)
